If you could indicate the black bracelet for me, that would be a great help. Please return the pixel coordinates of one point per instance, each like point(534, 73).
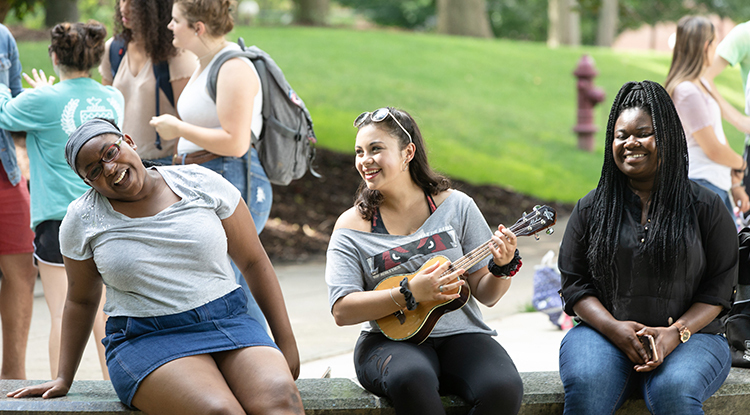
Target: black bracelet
point(508, 270)
point(411, 304)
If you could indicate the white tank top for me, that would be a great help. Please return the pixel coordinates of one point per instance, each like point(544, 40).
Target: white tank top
point(196, 107)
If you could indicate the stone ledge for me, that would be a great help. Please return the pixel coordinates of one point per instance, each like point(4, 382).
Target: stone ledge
point(543, 394)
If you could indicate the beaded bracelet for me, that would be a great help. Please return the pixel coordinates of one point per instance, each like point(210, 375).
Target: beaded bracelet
point(508, 270)
point(411, 304)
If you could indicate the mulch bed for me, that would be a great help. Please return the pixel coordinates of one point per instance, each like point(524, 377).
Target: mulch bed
point(303, 213)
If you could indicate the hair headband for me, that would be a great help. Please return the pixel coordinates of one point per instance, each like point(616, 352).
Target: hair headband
point(84, 133)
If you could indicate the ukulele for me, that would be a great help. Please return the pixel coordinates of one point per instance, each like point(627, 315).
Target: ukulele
point(416, 325)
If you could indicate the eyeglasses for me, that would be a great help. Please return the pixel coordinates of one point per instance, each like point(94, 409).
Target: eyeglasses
point(379, 115)
point(109, 156)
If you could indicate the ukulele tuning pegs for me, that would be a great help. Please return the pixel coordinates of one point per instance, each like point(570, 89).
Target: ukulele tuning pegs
point(550, 231)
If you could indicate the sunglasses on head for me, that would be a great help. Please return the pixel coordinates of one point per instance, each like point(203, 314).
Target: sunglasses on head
point(379, 115)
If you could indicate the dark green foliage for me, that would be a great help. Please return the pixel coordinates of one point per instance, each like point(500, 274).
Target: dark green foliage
point(519, 19)
point(410, 14)
point(21, 7)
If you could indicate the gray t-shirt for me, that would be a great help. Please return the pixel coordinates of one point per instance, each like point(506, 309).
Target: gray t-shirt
point(164, 264)
point(358, 261)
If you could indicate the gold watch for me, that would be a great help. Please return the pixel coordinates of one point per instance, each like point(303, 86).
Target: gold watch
point(684, 332)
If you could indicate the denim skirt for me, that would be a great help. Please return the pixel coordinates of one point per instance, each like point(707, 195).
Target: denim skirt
point(136, 346)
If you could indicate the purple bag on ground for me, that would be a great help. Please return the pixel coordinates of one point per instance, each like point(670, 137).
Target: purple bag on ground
point(546, 286)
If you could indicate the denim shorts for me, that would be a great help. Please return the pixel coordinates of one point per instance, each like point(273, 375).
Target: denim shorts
point(136, 346)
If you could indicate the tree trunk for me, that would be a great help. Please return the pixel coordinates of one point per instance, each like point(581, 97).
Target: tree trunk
point(571, 22)
point(607, 25)
point(564, 23)
point(312, 12)
point(4, 9)
point(553, 29)
point(58, 11)
point(463, 17)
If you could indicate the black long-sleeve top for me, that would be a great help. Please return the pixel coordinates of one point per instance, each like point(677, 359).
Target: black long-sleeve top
point(706, 274)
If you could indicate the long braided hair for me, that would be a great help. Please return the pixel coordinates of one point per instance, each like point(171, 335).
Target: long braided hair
point(670, 222)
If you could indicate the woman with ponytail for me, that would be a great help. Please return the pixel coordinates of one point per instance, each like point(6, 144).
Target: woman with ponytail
point(648, 258)
point(48, 114)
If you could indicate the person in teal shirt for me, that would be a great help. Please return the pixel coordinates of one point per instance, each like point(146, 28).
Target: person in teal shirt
point(48, 114)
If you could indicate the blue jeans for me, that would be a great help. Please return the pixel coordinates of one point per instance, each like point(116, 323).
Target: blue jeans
point(598, 377)
point(234, 169)
point(723, 194)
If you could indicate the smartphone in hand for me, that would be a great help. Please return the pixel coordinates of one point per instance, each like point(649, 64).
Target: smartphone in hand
point(648, 343)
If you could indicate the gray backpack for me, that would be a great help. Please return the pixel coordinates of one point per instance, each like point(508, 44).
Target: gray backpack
point(286, 146)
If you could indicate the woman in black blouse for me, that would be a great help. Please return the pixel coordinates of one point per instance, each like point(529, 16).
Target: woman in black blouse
point(647, 253)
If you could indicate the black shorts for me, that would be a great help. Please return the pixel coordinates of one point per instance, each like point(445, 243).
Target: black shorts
point(47, 242)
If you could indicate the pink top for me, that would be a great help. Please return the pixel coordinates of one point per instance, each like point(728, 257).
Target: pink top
point(697, 111)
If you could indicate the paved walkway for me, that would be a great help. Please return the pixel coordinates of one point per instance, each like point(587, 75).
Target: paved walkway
point(529, 337)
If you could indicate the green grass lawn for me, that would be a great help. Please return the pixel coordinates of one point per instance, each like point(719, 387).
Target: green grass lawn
point(492, 111)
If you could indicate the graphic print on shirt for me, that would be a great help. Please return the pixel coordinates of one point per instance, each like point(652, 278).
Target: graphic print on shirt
point(425, 246)
point(93, 110)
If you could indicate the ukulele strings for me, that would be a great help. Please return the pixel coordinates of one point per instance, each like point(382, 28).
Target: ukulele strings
point(477, 254)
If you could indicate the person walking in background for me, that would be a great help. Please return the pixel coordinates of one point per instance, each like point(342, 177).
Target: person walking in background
point(735, 49)
point(647, 253)
point(16, 238)
point(732, 50)
point(48, 114)
point(713, 163)
point(143, 48)
point(178, 338)
point(217, 135)
point(404, 214)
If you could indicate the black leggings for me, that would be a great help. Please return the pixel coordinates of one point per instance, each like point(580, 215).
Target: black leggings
point(472, 366)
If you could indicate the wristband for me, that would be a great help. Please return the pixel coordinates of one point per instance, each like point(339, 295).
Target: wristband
point(411, 304)
point(508, 270)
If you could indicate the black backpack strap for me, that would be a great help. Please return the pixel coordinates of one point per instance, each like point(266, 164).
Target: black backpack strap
point(161, 73)
point(117, 50)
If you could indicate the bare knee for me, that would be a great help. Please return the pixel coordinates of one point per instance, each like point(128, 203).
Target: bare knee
point(281, 397)
point(218, 406)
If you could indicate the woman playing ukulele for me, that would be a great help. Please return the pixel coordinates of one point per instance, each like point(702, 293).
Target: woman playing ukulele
point(403, 215)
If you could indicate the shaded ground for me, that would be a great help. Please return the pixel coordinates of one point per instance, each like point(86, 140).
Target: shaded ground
point(303, 213)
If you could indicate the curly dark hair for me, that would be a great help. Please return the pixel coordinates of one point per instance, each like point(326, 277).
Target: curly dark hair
point(149, 20)
point(670, 224)
point(78, 46)
point(368, 201)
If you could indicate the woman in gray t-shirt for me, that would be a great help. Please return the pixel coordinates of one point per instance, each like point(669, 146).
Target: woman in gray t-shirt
point(404, 216)
point(178, 336)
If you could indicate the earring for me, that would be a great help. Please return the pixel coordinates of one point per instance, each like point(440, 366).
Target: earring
point(196, 33)
point(406, 165)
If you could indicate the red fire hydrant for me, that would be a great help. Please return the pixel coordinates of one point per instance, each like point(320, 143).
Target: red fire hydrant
point(588, 97)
